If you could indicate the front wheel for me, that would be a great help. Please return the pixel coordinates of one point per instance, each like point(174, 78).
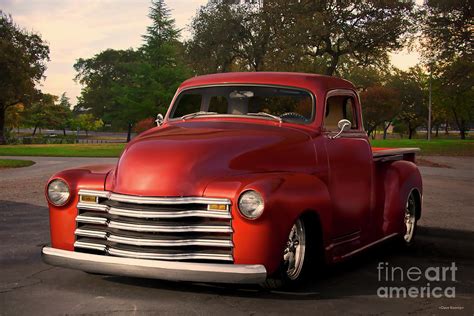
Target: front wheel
point(297, 257)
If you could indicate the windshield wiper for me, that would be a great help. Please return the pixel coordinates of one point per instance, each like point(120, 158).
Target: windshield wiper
point(191, 115)
point(279, 119)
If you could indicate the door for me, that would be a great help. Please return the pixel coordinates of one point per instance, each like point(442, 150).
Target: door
point(350, 170)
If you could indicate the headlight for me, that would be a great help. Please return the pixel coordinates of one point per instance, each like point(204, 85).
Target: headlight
point(251, 204)
point(58, 192)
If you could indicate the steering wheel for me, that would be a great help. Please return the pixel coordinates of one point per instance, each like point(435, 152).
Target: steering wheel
point(293, 116)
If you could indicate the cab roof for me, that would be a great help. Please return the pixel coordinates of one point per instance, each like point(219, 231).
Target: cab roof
point(310, 82)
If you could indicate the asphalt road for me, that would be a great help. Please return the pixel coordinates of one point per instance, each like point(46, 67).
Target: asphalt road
point(30, 287)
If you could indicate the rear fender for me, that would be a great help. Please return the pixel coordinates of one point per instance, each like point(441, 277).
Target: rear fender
point(400, 179)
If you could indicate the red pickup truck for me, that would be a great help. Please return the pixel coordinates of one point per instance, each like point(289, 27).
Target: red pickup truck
point(249, 178)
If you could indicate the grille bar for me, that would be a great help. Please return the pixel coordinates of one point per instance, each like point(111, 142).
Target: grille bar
point(156, 228)
point(153, 200)
point(153, 241)
point(152, 214)
point(153, 255)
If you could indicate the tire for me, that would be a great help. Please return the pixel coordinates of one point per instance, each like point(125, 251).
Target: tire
point(410, 219)
point(298, 260)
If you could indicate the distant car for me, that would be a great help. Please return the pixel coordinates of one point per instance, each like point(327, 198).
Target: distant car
point(250, 178)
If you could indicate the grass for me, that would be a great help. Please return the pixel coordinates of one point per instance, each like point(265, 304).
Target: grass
point(439, 147)
point(63, 150)
point(435, 147)
point(14, 163)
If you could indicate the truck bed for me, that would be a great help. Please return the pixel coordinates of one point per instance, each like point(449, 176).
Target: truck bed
point(392, 154)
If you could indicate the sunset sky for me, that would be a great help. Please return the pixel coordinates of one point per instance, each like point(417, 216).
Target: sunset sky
point(83, 28)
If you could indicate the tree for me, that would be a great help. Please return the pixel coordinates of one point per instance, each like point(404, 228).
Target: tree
point(453, 93)
point(63, 111)
point(43, 113)
point(87, 122)
point(411, 86)
point(380, 106)
point(447, 30)
point(14, 116)
point(126, 86)
point(447, 47)
point(23, 57)
point(298, 35)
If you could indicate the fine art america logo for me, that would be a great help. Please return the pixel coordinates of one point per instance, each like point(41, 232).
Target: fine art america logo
point(432, 280)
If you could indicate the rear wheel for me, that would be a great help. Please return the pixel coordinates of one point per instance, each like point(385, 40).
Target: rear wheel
point(297, 258)
point(410, 218)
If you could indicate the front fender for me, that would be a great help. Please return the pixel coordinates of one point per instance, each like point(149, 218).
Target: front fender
point(287, 196)
point(63, 219)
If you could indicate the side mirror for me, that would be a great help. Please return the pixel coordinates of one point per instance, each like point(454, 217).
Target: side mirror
point(343, 125)
point(159, 119)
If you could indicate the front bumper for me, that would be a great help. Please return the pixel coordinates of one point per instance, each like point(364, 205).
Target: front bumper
point(156, 269)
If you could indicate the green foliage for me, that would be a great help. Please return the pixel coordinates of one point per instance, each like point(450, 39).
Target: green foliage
point(380, 105)
point(297, 35)
point(126, 86)
point(87, 122)
point(23, 57)
point(412, 87)
point(447, 30)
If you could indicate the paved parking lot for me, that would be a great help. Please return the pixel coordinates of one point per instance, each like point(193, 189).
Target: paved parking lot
point(30, 287)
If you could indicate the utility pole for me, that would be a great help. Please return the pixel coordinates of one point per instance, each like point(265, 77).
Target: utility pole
point(429, 105)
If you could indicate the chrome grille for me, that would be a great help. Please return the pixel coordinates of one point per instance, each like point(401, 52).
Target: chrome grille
point(179, 229)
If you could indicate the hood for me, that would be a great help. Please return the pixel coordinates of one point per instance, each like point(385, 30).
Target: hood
point(181, 159)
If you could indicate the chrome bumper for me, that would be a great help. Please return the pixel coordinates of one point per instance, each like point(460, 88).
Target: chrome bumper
point(155, 269)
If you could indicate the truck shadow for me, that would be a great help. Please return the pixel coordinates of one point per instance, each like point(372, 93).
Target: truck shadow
point(435, 247)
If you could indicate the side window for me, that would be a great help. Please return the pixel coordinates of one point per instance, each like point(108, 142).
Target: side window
point(338, 108)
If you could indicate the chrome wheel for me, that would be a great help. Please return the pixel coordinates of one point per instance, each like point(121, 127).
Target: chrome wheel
point(410, 218)
point(294, 253)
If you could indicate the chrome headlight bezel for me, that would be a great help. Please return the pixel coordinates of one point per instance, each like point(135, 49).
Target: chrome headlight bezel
point(58, 192)
point(251, 204)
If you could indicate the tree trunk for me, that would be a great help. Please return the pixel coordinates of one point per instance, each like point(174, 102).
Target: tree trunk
point(385, 129)
point(87, 133)
point(463, 133)
point(410, 132)
point(64, 131)
point(330, 70)
point(34, 131)
point(437, 130)
point(446, 131)
point(129, 133)
point(3, 141)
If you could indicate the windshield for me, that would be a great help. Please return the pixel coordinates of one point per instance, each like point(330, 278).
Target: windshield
point(272, 103)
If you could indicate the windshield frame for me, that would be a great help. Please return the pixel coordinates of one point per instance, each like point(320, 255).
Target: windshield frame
point(178, 95)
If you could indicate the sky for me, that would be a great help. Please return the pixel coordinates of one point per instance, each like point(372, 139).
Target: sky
point(82, 28)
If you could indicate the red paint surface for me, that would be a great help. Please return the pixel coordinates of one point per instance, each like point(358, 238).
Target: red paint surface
point(296, 168)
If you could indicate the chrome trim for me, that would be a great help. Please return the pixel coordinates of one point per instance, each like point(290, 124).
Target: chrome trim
point(153, 242)
point(90, 233)
point(89, 245)
point(153, 214)
point(170, 229)
point(91, 220)
point(177, 256)
point(154, 200)
point(155, 269)
point(153, 228)
point(153, 255)
point(367, 246)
